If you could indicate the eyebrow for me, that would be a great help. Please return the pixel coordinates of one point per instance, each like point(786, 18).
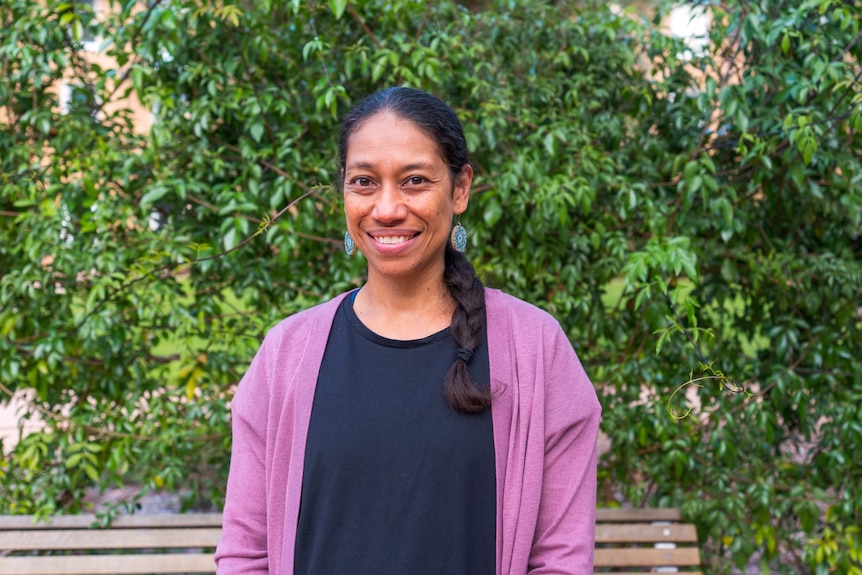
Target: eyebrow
point(407, 168)
point(417, 166)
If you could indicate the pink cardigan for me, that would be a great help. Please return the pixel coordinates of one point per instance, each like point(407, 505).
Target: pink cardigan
point(545, 417)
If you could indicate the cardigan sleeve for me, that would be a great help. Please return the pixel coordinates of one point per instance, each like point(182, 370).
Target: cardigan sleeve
point(565, 531)
point(243, 545)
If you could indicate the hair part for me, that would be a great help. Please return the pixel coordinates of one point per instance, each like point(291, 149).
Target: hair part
point(434, 117)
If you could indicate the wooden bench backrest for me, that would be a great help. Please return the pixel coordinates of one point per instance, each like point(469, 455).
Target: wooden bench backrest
point(648, 539)
point(625, 539)
point(185, 543)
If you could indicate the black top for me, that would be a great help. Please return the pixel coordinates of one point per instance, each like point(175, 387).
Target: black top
point(395, 481)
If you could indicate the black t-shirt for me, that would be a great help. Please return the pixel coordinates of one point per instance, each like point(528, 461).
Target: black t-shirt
point(395, 480)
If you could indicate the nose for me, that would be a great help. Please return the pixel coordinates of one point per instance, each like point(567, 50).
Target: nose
point(389, 205)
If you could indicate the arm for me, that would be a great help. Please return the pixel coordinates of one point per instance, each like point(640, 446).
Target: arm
point(565, 529)
point(243, 545)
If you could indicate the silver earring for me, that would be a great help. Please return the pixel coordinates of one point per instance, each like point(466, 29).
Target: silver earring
point(459, 237)
point(349, 246)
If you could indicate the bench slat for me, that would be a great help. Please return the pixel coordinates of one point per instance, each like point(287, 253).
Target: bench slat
point(645, 533)
point(129, 521)
point(608, 515)
point(33, 540)
point(108, 564)
point(681, 556)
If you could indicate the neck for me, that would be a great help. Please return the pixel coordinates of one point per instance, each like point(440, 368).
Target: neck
point(404, 309)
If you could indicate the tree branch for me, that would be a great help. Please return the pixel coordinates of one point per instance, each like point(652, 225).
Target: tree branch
point(365, 27)
point(424, 19)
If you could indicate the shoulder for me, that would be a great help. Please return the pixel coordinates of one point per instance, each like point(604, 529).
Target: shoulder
point(525, 331)
point(524, 340)
point(305, 324)
point(503, 308)
point(311, 315)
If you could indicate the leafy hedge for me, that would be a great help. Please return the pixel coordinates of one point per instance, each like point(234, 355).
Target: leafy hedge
point(693, 218)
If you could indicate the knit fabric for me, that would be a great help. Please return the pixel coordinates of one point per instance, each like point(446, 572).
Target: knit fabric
point(545, 416)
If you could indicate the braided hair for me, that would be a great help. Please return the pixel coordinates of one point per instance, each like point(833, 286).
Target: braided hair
point(439, 121)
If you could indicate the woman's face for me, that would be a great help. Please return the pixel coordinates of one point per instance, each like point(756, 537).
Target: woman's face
point(399, 198)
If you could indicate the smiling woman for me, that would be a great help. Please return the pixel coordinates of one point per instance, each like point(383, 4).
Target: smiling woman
point(423, 423)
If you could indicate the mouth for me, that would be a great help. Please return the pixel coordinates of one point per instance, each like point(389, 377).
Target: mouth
point(393, 240)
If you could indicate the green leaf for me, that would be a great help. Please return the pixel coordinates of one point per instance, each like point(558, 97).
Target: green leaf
point(256, 131)
point(7, 325)
point(91, 471)
point(693, 185)
point(230, 239)
point(492, 213)
point(337, 7)
point(154, 195)
point(688, 264)
point(691, 170)
point(548, 141)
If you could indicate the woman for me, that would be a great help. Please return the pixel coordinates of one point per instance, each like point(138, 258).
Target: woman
point(423, 423)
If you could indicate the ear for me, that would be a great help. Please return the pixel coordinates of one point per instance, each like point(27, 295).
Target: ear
point(461, 192)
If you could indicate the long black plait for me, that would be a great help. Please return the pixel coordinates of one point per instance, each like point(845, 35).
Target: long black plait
point(468, 326)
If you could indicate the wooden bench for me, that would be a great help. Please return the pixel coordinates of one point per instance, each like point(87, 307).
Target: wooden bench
point(645, 541)
point(648, 540)
point(134, 544)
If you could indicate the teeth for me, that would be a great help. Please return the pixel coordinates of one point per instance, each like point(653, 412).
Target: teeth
point(391, 239)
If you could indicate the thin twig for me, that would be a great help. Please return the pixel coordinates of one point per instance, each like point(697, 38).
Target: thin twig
point(269, 165)
point(848, 47)
point(424, 19)
point(365, 27)
point(317, 238)
point(209, 206)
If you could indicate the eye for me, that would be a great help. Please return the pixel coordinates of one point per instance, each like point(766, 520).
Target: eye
point(416, 180)
point(361, 181)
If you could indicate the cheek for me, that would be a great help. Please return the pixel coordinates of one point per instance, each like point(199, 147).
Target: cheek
point(351, 219)
point(352, 208)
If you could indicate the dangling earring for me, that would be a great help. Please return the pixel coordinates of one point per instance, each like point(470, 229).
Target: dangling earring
point(349, 246)
point(459, 237)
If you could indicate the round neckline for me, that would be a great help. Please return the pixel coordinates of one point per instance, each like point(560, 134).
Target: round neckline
point(367, 333)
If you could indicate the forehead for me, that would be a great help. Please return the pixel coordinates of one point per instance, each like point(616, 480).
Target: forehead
point(386, 137)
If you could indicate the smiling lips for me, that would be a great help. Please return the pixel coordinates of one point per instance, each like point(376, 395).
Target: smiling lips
point(392, 240)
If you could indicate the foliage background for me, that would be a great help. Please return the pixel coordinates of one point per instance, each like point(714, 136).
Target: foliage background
point(692, 217)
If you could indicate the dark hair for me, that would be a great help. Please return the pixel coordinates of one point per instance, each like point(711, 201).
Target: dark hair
point(431, 115)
